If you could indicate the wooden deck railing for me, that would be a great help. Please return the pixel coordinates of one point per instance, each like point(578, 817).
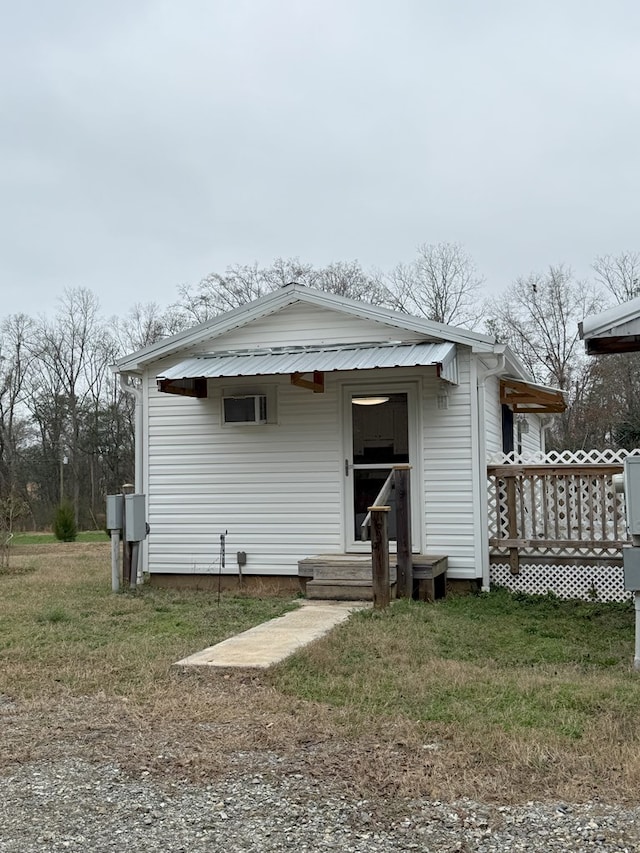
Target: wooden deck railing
point(376, 519)
point(565, 514)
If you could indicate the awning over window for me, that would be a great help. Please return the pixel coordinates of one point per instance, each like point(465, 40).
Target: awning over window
point(526, 397)
point(301, 360)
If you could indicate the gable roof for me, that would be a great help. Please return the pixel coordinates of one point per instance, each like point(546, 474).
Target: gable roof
point(282, 298)
point(615, 330)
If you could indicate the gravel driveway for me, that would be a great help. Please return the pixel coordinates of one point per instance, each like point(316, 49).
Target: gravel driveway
point(71, 804)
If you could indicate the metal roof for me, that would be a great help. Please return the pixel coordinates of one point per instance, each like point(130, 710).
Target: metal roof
point(306, 359)
point(289, 295)
point(615, 330)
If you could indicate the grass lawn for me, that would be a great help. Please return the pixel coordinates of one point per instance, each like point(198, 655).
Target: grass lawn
point(63, 630)
point(49, 538)
point(491, 696)
point(517, 663)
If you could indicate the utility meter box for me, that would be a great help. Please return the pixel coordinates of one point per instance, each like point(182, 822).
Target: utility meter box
point(631, 562)
point(135, 518)
point(632, 493)
point(115, 512)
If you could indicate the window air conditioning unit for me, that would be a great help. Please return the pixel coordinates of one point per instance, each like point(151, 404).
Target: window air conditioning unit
point(250, 409)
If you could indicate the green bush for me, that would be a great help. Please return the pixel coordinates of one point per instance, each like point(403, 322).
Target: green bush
point(64, 524)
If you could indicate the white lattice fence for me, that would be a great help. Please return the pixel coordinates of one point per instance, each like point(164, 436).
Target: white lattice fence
point(589, 583)
point(563, 457)
point(558, 506)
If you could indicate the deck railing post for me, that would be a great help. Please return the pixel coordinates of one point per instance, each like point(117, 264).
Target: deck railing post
point(380, 556)
point(512, 519)
point(401, 482)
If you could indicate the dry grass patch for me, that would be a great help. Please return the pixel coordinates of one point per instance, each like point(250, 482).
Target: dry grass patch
point(62, 631)
point(491, 698)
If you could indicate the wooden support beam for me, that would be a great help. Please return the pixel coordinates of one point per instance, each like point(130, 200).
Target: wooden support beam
point(316, 384)
point(579, 561)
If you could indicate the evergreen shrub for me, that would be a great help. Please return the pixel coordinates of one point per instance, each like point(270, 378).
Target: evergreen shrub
point(64, 524)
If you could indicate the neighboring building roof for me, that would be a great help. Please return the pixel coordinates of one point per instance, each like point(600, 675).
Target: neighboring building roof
point(279, 360)
point(615, 330)
point(288, 295)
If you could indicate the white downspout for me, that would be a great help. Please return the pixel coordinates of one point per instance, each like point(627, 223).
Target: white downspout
point(482, 466)
point(546, 424)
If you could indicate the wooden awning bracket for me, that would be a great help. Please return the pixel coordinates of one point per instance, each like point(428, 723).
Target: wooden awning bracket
point(316, 384)
point(525, 397)
point(196, 387)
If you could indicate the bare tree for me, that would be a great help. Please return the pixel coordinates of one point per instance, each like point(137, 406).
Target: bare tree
point(73, 354)
point(15, 359)
point(442, 284)
point(239, 284)
point(145, 324)
point(619, 274)
point(538, 317)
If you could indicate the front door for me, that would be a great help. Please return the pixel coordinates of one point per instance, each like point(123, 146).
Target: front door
point(381, 431)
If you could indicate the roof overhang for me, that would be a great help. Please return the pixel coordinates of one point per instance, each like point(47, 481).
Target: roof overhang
point(615, 330)
point(530, 398)
point(187, 376)
point(198, 337)
point(606, 345)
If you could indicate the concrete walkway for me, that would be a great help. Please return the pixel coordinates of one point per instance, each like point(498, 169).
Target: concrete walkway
point(273, 641)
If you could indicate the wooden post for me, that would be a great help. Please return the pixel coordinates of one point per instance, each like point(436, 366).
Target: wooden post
point(115, 561)
point(380, 556)
point(401, 482)
point(127, 564)
point(512, 517)
point(133, 578)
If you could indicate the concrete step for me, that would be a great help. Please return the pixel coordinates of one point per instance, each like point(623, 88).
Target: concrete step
point(342, 590)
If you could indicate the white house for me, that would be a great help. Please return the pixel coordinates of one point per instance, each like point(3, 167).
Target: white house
point(278, 422)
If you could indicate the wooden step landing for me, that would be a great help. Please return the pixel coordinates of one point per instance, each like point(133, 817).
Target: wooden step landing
point(342, 590)
point(347, 577)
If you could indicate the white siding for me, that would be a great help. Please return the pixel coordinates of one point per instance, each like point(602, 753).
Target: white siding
point(301, 324)
point(532, 440)
point(275, 488)
point(278, 488)
point(448, 474)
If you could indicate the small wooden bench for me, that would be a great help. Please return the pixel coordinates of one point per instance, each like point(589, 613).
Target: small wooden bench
point(429, 577)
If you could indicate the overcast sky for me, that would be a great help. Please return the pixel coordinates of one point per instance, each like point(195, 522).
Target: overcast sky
point(146, 143)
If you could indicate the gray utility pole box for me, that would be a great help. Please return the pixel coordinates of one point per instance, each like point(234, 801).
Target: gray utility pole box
point(631, 562)
point(115, 512)
point(632, 493)
point(135, 518)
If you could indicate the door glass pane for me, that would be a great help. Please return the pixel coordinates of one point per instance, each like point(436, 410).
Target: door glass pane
point(380, 438)
point(380, 429)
